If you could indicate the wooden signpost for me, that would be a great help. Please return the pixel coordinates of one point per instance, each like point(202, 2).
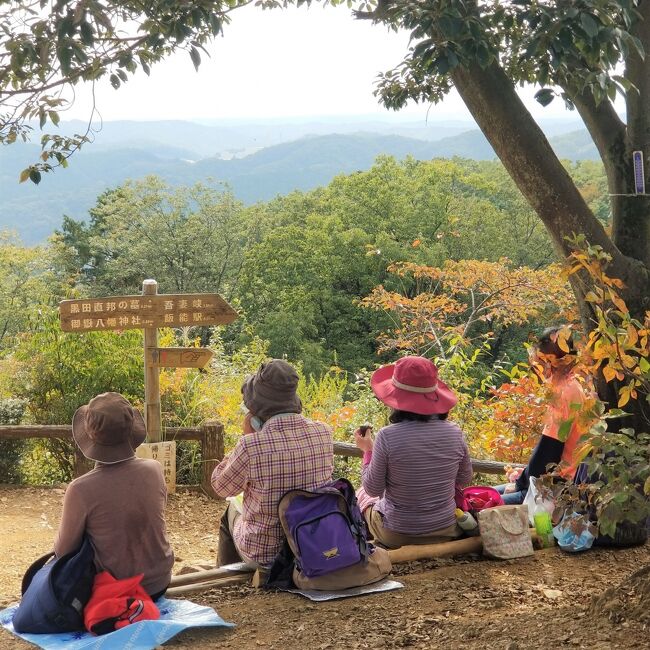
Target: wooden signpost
point(150, 311)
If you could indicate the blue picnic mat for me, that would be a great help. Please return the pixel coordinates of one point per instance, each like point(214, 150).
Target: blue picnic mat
point(175, 616)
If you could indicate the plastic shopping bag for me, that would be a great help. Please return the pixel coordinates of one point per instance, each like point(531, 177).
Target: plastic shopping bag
point(575, 533)
point(536, 494)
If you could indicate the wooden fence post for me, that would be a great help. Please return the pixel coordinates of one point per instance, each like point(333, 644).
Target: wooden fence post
point(81, 463)
point(212, 451)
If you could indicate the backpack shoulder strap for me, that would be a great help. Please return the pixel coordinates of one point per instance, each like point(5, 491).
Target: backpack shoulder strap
point(359, 528)
point(33, 570)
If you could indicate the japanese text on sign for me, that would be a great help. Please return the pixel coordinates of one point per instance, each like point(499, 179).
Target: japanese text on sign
point(129, 312)
point(165, 454)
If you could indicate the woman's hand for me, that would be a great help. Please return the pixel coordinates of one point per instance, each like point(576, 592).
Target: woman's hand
point(514, 474)
point(364, 442)
point(510, 488)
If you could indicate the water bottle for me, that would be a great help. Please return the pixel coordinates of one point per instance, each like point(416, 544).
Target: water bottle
point(465, 520)
point(543, 525)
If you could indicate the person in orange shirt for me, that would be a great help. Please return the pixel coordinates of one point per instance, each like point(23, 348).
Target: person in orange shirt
point(555, 362)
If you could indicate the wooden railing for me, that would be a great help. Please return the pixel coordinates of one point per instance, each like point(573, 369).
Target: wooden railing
point(211, 436)
point(479, 466)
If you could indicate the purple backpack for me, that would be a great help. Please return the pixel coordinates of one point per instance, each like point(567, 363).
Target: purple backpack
point(324, 527)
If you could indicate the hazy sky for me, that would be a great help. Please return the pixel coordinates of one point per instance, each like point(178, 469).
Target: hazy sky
point(284, 63)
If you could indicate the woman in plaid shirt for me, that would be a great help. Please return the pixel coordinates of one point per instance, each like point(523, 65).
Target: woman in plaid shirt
point(280, 450)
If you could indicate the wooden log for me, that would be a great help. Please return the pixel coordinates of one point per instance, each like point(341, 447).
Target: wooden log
point(64, 431)
point(173, 592)
point(25, 431)
point(428, 551)
point(183, 433)
point(225, 571)
point(444, 549)
point(202, 580)
point(212, 452)
point(478, 465)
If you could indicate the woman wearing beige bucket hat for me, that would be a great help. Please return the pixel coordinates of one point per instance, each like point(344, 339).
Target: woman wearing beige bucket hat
point(120, 504)
point(411, 470)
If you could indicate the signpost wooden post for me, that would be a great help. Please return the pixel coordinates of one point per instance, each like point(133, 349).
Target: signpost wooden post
point(151, 375)
point(148, 312)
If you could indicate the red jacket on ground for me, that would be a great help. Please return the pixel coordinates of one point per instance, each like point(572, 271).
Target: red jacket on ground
point(117, 603)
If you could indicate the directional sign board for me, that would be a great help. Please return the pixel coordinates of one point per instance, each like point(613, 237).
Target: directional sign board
point(149, 311)
point(178, 357)
point(145, 311)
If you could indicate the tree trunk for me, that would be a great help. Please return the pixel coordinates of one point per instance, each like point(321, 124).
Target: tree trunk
point(631, 214)
point(531, 162)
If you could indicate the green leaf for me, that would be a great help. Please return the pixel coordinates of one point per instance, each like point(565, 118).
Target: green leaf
point(87, 36)
point(65, 57)
point(545, 96)
point(64, 27)
point(589, 24)
point(35, 176)
point(620, 498)
point(483, 55)
point(450, 27)
point(215, 24)
point(442, 64)
point(196, 58)
point(611, 92)
point(564, 430)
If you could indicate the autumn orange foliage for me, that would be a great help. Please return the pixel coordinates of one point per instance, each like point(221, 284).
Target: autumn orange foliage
point(513, 424)
point(619, 345)
point(461, 300)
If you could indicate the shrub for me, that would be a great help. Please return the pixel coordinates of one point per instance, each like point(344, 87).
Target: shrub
point(11, 451)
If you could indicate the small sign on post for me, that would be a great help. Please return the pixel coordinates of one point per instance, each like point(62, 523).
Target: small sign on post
point(639, 173)
point(179, 357)
point(165, 454)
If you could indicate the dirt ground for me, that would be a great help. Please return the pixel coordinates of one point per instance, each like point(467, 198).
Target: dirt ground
point(551, 600)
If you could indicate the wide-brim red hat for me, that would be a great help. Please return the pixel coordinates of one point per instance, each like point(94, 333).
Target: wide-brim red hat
point(412, 385)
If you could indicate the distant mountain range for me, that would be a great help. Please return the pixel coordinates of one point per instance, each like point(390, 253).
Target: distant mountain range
point(182, 153)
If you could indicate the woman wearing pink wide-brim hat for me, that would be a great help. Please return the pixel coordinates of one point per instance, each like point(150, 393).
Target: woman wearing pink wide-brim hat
point(411, 469)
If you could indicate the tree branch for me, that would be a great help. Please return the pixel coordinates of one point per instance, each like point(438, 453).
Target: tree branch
point(110, 58)
point(528, 157)
point(607, 130)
